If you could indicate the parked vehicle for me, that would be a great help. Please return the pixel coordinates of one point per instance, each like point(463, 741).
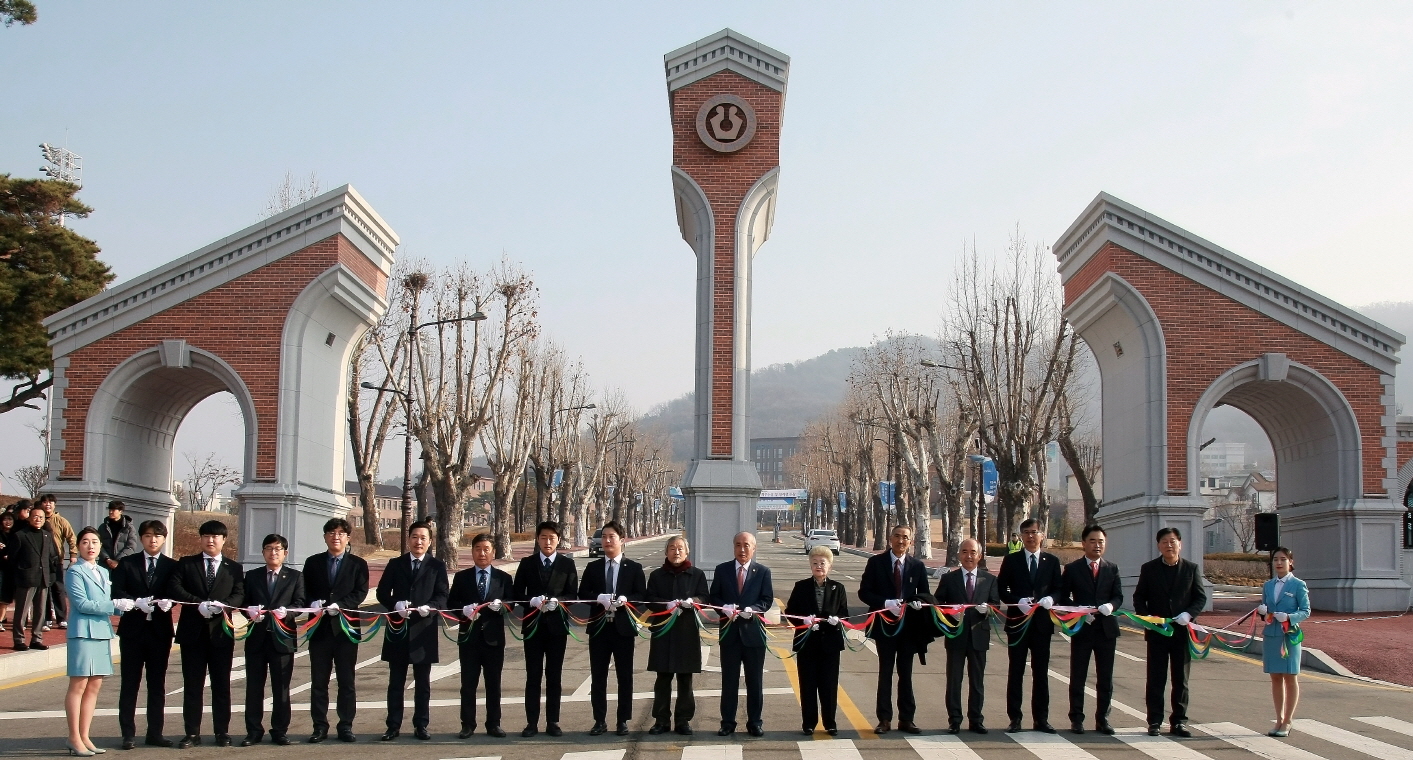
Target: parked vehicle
point(821, 537)
point(596, 543)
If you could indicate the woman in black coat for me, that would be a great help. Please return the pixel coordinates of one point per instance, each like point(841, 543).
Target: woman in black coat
point(677, 653)
point(817, 646)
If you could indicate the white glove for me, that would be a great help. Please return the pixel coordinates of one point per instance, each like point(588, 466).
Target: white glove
point(1088, 618)
point(317, 604)
point(537, 602)
point(1262, 610)
point(207, 609)
point(253, 612)
point(496, 605)
point(333, 608)
point(672, 604)
point(1182, 618)
point(551, 604)
point(424, 610)
point(688, 603)
point(809, 621)
point(814, 627)
point(915, 604)
point(469, 611)
point(1046, 602)
point(605, 600)
point(833, 620)
point(983, 608)
point(1106, 609)
point(729, 610)
point(1025, 606)
point(620, 601)
point(894, 606)
point(123, 605)
point(280, 613)
point(1281, 617)
point(401, 609)
point(164, 605)
point(145, 604)
point(747, 612)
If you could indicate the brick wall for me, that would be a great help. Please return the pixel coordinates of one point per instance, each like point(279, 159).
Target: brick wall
point(725, 178)
point(241, 322)
point(1207, 333)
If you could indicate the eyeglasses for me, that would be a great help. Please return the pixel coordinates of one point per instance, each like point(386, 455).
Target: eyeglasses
point(337, 534)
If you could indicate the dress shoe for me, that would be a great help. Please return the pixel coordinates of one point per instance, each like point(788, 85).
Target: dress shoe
point(1104, 728)
point(495, 731)
point(622, 729)
point(129, 742)
point(529, 731)
point(1045, 728)
point(552, 729)
point(390, 734)
point(422, 733)
point(466, 733)
point(188, 741)
point(320, 734)
point(1155, 729)
point(41, 646)
point(1014, 728)
point(600, 728)
point(657, 728)
point(883, 727)
point(726, 730)
point(223, 740)
point(832, 731)
point(250, 741)
point(1180, 730)
point(807, 731)
point(281, 740)
point(908, 726)
point(21, 647)
point(157, 741)
point(755, 730)
point(954, 729)
point(685, 729)
point(978, 728)
point(1077, 728)
point(346, 735)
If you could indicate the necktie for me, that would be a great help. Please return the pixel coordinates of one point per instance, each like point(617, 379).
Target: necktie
point(271, 582)
point(612, 565)
point(740, 578)
point(210, 572)
point(1032, 571)
point(416, 565)
point(1094, 568)
point(971, 585)
point(151, 572)
point(481, 584)
point(548, 564)
point(898, 576)
point(334, 568)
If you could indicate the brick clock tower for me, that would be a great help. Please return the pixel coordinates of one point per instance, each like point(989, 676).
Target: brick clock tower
point(727, 97)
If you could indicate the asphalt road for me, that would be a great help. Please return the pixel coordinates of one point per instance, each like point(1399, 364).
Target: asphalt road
point(1231, 711)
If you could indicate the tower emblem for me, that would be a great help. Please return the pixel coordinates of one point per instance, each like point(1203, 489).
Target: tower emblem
point(726, 123)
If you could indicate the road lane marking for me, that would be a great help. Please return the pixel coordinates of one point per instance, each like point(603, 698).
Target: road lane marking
point(1392, 724)
point(942, 747)
point(1050, 746)
point(1356, 742)
point(583, 690)
point(712, 752)
point(1258, 744)
point(596, 754)
point(831, 749)
point(1157, 747)
point(333, 676)
point(855, 716)
point(1128, 656)
point(790, 670)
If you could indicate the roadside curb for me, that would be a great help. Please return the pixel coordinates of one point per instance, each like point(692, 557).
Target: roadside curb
point(35, 662)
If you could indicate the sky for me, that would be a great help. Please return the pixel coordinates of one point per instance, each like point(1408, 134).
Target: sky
point(540, 132)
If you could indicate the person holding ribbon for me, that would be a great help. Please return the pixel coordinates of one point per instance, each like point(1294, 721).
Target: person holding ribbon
point(479, 592)
point(742, 589)
point(543, 578)
point(90, 657)
point(413, 588)
point(1169, 587)
point(270, 592)
point(1285, 604)
point(1092, 581)
point(973, 586)
point(1030, 580)
point(336, 580)
point(892, 580)
point(613, 582)
point(818, 604)
point(206, 584)
point(145, 633)
point(676, 649)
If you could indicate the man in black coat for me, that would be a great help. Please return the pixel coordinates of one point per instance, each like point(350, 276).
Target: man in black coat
point(890, 581)
point(614, 581)
point(479, 592)
point(116, 537)
point(269, 592)
point(1092, 581)
point(201, 581)
point(1169, 587)
point(414, 586)
point(144, 633)
point(336, 580)
point(1030, 578)
point(969, 584)
point(742, 587)
point(541, 580)
point(32, 560)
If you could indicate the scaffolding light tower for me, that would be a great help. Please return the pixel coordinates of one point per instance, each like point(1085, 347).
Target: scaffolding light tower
point(62, 164)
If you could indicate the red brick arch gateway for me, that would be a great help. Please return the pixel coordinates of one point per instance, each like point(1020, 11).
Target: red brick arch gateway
point(1180, 326)
point(269, 314)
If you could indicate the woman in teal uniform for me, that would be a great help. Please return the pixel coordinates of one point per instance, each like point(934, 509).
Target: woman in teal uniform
point(89, 639)
point(1285, 603)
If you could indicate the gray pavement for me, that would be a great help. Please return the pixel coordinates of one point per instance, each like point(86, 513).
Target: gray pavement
point(1231, 708)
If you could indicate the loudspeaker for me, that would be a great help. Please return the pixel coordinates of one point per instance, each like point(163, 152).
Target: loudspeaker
point(1268, 531)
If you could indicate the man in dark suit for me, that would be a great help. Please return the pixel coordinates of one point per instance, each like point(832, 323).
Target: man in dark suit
point(479, 592)
point(34, 563)
point(743, 589)
point(1030, 578)
point(205, 582)
point(1169, 587)
point(144, 633)
point(269, 592)
point(613, 581)
point(1092, 581)
point(968, 585)
point(413, 586)
point(890, 581)
point(336, 580)
point(543, 578)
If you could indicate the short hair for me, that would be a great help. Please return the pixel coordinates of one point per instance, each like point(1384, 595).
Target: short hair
point(155, 527)
point(23, 504)
point(338, 523)
point(550, 525)
point(1092, 528)
point(275, 538)
point(87, 530)
point(214, 528)
point(8, 514)
point(1290, 555)
point(612, 525)
point(1168, 530)
point(422, 525)
point(49, 497)
point(904, 526)
point(681, 539)
point(822, 551)
point(115, 504)
point(483, 538)
point(1029, 522)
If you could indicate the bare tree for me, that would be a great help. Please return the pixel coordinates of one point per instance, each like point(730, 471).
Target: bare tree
point(32, 478)
point(381, 347)
point(205, 477)
point(1240, 517)
point(559, 428)
point(290, 193)
point(512, 431)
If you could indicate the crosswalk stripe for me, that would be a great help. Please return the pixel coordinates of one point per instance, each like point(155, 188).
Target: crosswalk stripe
point(1392, 724)
point(830, 749)
point(1356, 742)
point(479, 757)
point(1114, 703)
point(1157, 747)
point(1259, 744)
point(712, 752)
point(596, 754)
point(942, 747)
point(1050, 746)
point(309, 685)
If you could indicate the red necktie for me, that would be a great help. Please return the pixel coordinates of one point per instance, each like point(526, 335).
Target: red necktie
point(1094, 567)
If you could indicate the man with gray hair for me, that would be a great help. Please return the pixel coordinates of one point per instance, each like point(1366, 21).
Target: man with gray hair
point(742, 588)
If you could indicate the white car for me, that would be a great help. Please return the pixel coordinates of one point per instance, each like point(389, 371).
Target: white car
point(820, 537)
